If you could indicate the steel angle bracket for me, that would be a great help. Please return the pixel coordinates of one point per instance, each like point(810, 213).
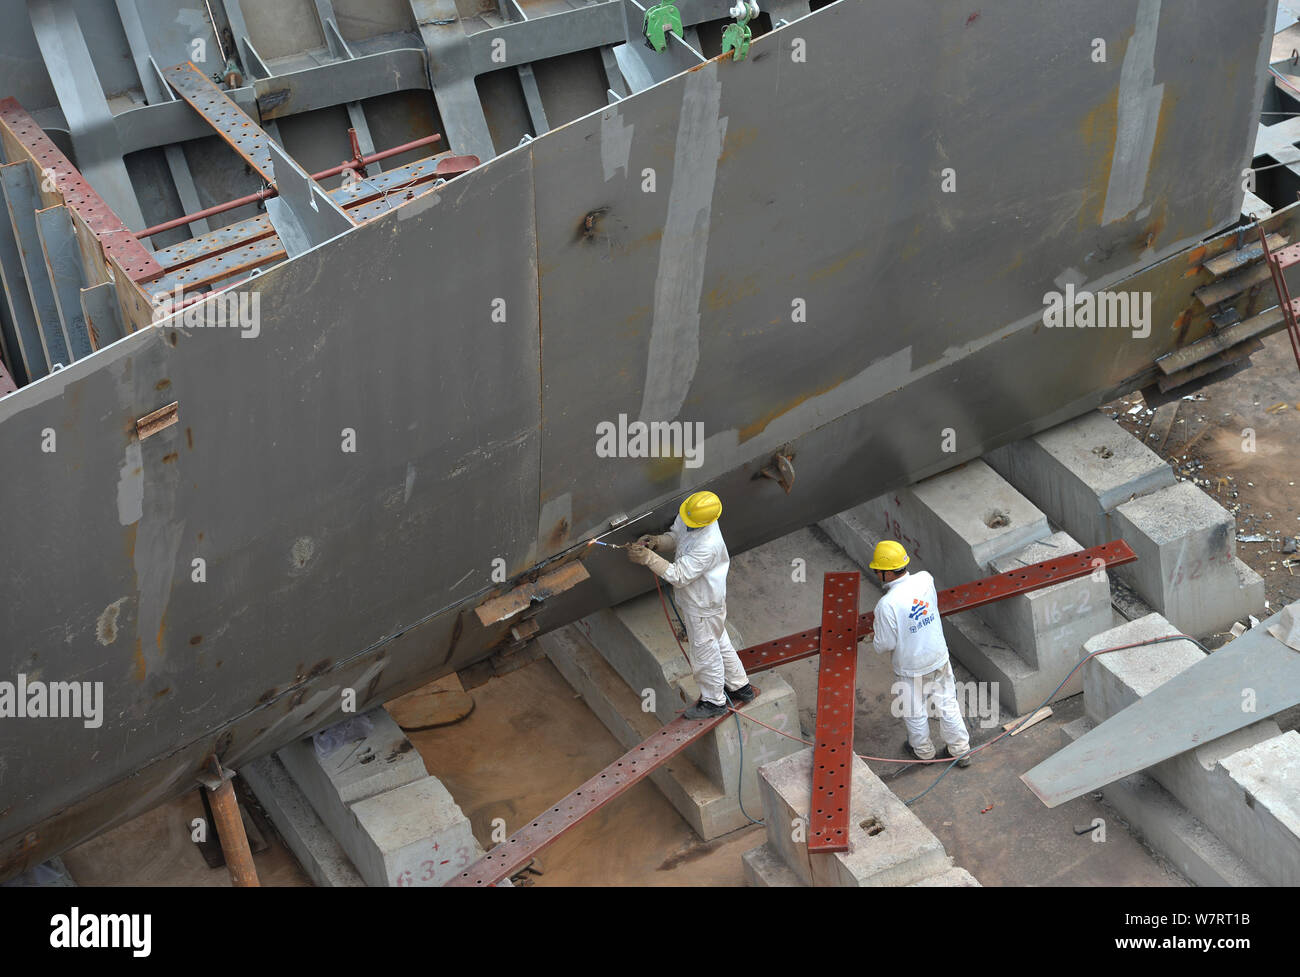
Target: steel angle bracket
point(828, 816)
point(303, 214)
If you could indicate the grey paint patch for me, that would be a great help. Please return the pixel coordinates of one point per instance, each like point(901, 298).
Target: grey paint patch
point(615, 143)
point(106, 623)
point(410, 482)
point(303, 549)
point(1138, 116)
point(130, 486)
point(675, 332)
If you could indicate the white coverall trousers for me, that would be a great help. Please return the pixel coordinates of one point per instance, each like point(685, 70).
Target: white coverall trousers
point(713, 657)
point(935, 690)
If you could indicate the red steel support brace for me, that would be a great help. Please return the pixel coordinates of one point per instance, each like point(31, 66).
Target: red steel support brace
point(514, 853)
point(828, 819)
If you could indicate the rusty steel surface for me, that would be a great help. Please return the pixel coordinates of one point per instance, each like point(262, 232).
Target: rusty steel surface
point(963, 597)
point(828, 815)
point(113, 236)
point(514, 853)
point(232, 123)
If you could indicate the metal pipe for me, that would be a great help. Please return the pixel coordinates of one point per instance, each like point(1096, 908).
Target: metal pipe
point(271, 191)
point(230, 831)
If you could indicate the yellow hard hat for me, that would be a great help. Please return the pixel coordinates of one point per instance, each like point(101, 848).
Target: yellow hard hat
point(889, 555)
point(700, 509)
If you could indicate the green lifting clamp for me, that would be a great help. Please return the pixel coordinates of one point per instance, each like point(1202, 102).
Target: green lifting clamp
point(659, 20)
point(738, 35)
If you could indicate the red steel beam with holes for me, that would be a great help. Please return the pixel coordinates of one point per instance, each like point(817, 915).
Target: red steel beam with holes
point(118, 243)
point(828, 818)
point(963, 597)
point(514, 853)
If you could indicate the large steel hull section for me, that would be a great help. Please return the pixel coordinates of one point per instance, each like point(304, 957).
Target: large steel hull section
point(327, 569)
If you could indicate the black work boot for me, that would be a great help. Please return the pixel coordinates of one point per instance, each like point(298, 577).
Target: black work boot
point(742, 695)
point(705, 710)
point(963, 760)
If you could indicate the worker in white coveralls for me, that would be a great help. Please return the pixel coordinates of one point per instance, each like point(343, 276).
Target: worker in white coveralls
point(699, 578)
point(907, 624)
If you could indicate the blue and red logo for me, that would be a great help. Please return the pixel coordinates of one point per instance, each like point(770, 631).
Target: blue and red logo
point(920, 608)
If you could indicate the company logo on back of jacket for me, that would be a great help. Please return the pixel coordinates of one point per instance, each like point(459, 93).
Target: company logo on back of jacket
point(920, 613)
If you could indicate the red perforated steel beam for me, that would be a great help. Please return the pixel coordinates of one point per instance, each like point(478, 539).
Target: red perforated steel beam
point(118, 242)
point(828, 819)
point(516, 851)
point(963, 597)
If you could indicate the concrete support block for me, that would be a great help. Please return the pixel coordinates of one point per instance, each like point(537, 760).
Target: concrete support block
point(954, 878)
point(1187, 567)
point(319, 854)
point(1219, 782)
point(635, 640)
point(764, 869)
point(1165, 826)
point(708, 783)
point(397, 825)
point(894, 847)
point(957, 523)
point(1259, 812)
point(413, 835)
point(1048, 627)
point(1078, 472)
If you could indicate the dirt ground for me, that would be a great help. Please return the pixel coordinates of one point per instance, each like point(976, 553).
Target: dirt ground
point(1239, 439)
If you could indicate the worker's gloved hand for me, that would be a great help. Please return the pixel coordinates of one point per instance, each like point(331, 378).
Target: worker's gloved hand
point(640, 554)
point(659, 543)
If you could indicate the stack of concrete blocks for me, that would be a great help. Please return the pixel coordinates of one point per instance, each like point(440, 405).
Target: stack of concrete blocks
point(628, 668)
point(1224, 813)
point(1098, 482)
point(970, 523)
point(888, 844)
point(368, 813)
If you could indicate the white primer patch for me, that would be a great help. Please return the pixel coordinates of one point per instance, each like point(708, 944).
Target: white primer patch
point(675, 333)
point(615, 142)
point(1138, 116)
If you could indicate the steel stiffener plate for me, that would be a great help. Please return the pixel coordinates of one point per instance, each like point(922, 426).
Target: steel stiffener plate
point(828, 816)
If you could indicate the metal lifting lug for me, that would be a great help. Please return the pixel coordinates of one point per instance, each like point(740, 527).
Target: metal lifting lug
point(659, 20)
point(737, 36)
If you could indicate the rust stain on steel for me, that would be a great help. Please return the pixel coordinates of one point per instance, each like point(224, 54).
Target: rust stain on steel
point(547, 585)
point(118, 243)
point(163, 417)
point(760, 424)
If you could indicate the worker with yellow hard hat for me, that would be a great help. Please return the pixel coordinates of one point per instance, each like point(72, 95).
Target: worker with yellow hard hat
point(907, 624)
point(699, 578)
